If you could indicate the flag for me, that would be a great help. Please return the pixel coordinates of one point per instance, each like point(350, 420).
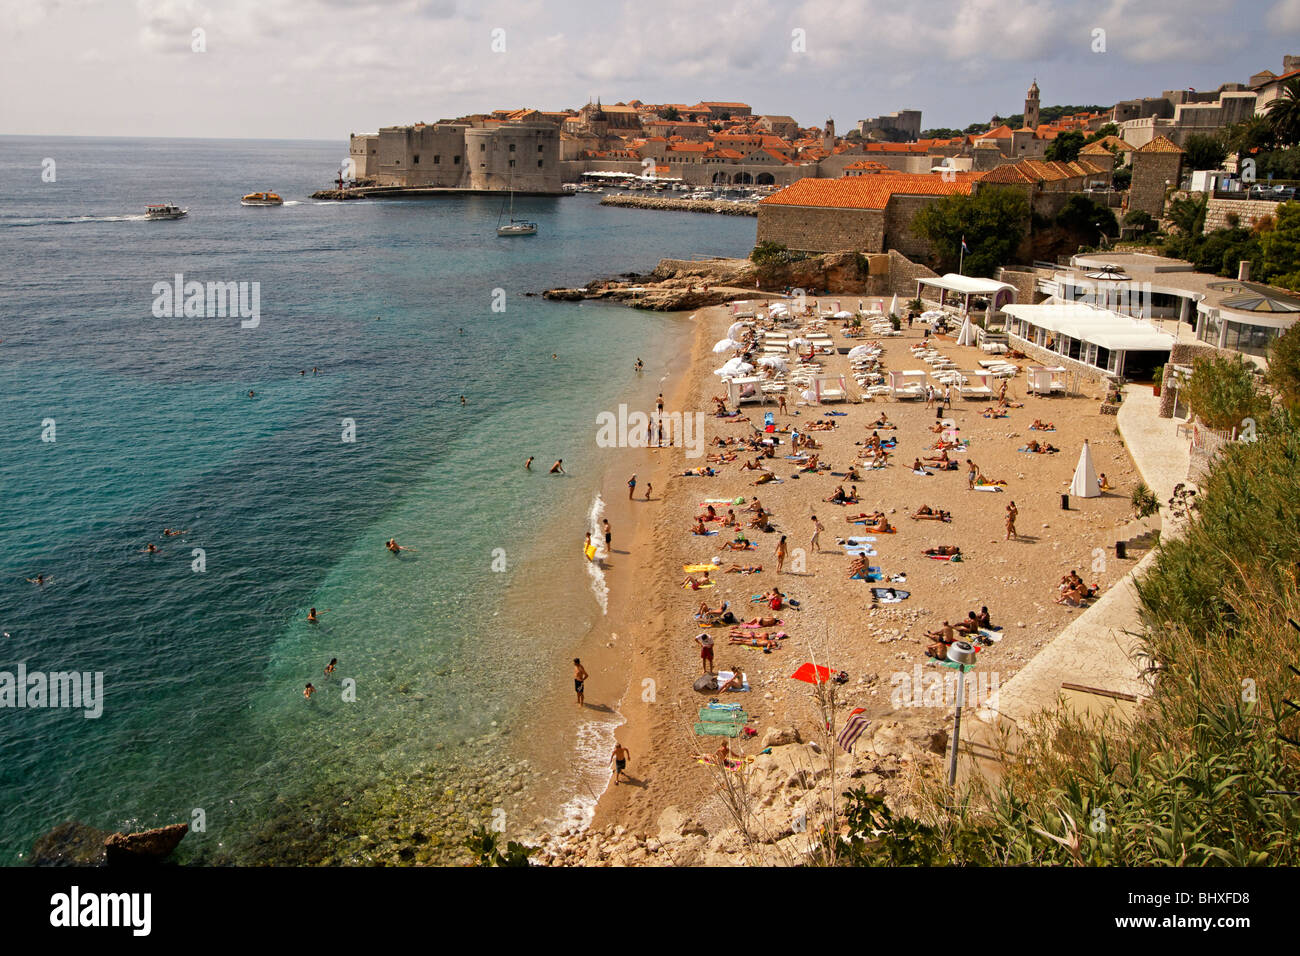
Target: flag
point(964, 247)
point(857, 723)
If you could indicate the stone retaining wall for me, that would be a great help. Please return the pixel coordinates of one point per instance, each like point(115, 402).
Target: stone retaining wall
point(1247, 211)
point(689, 205)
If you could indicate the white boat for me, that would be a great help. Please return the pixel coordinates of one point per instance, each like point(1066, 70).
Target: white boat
point(516, 227)
point(164, 211)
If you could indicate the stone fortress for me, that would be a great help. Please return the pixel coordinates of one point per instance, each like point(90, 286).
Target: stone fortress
point(474, 155)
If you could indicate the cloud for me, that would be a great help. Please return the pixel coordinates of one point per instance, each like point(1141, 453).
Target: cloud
point(168, 25)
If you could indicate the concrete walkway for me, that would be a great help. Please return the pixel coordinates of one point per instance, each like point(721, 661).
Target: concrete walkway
point(1093, 665)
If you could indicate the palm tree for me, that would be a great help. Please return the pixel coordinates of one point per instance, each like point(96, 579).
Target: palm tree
point(1284, 114)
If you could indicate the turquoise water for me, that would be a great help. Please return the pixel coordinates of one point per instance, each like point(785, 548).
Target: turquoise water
point(154, 428)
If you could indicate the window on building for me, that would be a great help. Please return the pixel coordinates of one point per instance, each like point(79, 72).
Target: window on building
point(1102, 358)
point(482, 147)
point(1251, 339)
point(512, 147)
point(541, 148)
point(539, 164)
point(455, 160)
point(415, 160)
point(512, 164)
point(437, 159)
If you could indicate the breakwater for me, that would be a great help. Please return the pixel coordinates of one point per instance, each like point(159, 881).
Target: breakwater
point(720, 206)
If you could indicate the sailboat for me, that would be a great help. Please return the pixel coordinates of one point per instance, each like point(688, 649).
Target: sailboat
point(516, 227)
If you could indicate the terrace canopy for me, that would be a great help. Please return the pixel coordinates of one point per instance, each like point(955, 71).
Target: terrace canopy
point(1097, 337)
point(962, 288)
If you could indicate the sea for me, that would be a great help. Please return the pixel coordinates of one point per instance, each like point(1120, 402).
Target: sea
point(389, 384)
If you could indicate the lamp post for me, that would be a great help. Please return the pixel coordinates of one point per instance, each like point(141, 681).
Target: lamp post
point(962, 654)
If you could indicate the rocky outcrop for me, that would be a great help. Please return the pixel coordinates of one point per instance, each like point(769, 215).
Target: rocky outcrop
point(149, 846)
point(76, 844)
point(787, 787)
point(719, 206)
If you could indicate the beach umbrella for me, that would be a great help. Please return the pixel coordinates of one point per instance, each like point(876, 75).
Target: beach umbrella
point(809, 395)
point(1084, 484)
point(932, 314)
point(893, 304)
point(773, 361)
point(725, 345)
point(859, 351)
point(812, 674)
point(736, 331)
point(967, 334)
point(843, 315)
point(796, 342)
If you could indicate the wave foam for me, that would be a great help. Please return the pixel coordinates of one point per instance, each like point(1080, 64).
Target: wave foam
point(595, 569)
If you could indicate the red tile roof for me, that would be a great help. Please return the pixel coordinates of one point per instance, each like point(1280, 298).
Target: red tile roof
point(1161, 144)
point(868, 192)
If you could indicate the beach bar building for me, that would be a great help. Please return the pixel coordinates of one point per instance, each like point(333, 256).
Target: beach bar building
point(961, 292)
point(1094, 337)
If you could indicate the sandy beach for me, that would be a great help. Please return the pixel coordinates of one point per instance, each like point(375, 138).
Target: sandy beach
point(649, 653)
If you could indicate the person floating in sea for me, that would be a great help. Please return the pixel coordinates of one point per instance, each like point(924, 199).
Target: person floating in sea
point(579, 679)
point(619, 760)
point(171, 532)
point(40, 580)
point(329, 668)
point(150, 548)
point(250, 393)
point(640, 366)
point(308, 691)
point(558, 467)
point(396, 548)
point(313, 617)
point(528, 465)
point(462, 400)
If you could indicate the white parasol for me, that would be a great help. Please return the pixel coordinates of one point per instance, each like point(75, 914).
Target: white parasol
point(967, 334)
point(893, 305)
point(1084, 484)
point(725, 345)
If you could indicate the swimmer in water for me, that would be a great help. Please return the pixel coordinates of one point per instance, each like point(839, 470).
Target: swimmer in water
point(553, 355)
point(462, 400)
point(329, 668)
point(250, 393)
point(149, 549)
point(311, 616)
point(396, 548)
point(558, 467)
point(308, 691)
point(171, 533)
point(640, 366)
point(38, 580)
point(528, 465)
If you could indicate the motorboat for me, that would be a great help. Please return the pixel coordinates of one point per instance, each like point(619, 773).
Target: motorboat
point(164, 211)
point(262, 199)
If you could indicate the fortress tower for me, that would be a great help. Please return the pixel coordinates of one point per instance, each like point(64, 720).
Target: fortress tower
point(828, 138)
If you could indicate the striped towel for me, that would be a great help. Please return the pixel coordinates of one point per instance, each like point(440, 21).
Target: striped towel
point(857, 723)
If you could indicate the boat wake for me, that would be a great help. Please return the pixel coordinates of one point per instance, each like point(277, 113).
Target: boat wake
point(292, 202)
point(595, 569)
point(72, 220)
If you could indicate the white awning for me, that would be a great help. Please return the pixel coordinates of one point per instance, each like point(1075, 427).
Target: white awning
point(967, 285)
point(1087, 323)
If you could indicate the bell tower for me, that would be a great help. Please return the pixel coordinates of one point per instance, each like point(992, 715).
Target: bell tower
point(828, 138)
point(1031, 106)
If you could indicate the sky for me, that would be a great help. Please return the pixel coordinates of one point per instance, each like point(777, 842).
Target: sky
point(321, 69)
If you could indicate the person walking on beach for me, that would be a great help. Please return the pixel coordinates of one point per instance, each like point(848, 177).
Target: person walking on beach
point(1012, 511)
point(929, 395)
point(818, 528)
point(528, 465)
point(619, 760)
point(947, 397)
point(780, 554)
point(648, 486)
point(705, 640)
point(631, 487)
point(780, 404)
point(579, 679)
point(604, 523)
point(971, 473)
point(558, 467)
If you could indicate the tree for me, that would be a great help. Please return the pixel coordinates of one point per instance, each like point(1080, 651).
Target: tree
point(993, 222)
point(1284, 114)
point(672, 115)
point(1204, 152)
point(1250, 136)
point(1222, 392)
point(1284, 367)
point(1188, 215)
point(1065, 148)
point(1087, 217)
point(1280, 248)
point(1121, 178)
point(1140, 218)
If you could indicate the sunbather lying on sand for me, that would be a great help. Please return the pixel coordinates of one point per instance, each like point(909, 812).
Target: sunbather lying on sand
point(706, 613)
point(1038, 426)
point(882, 422)
point(982, 480)
point(880, 525)
point(995, 413)
point(699, 472)
point(758, 640)
point(740, 544)
point(738, 569)
point(940, 459)
point(839, 497)
point(694, 583)
point(751, 465)
point(765, 477)
point(725, 457)
point(1040, 448)
point(820, 426)
point(760, 622)
point(943, 550)
point(812, 464)
point(926, 513)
